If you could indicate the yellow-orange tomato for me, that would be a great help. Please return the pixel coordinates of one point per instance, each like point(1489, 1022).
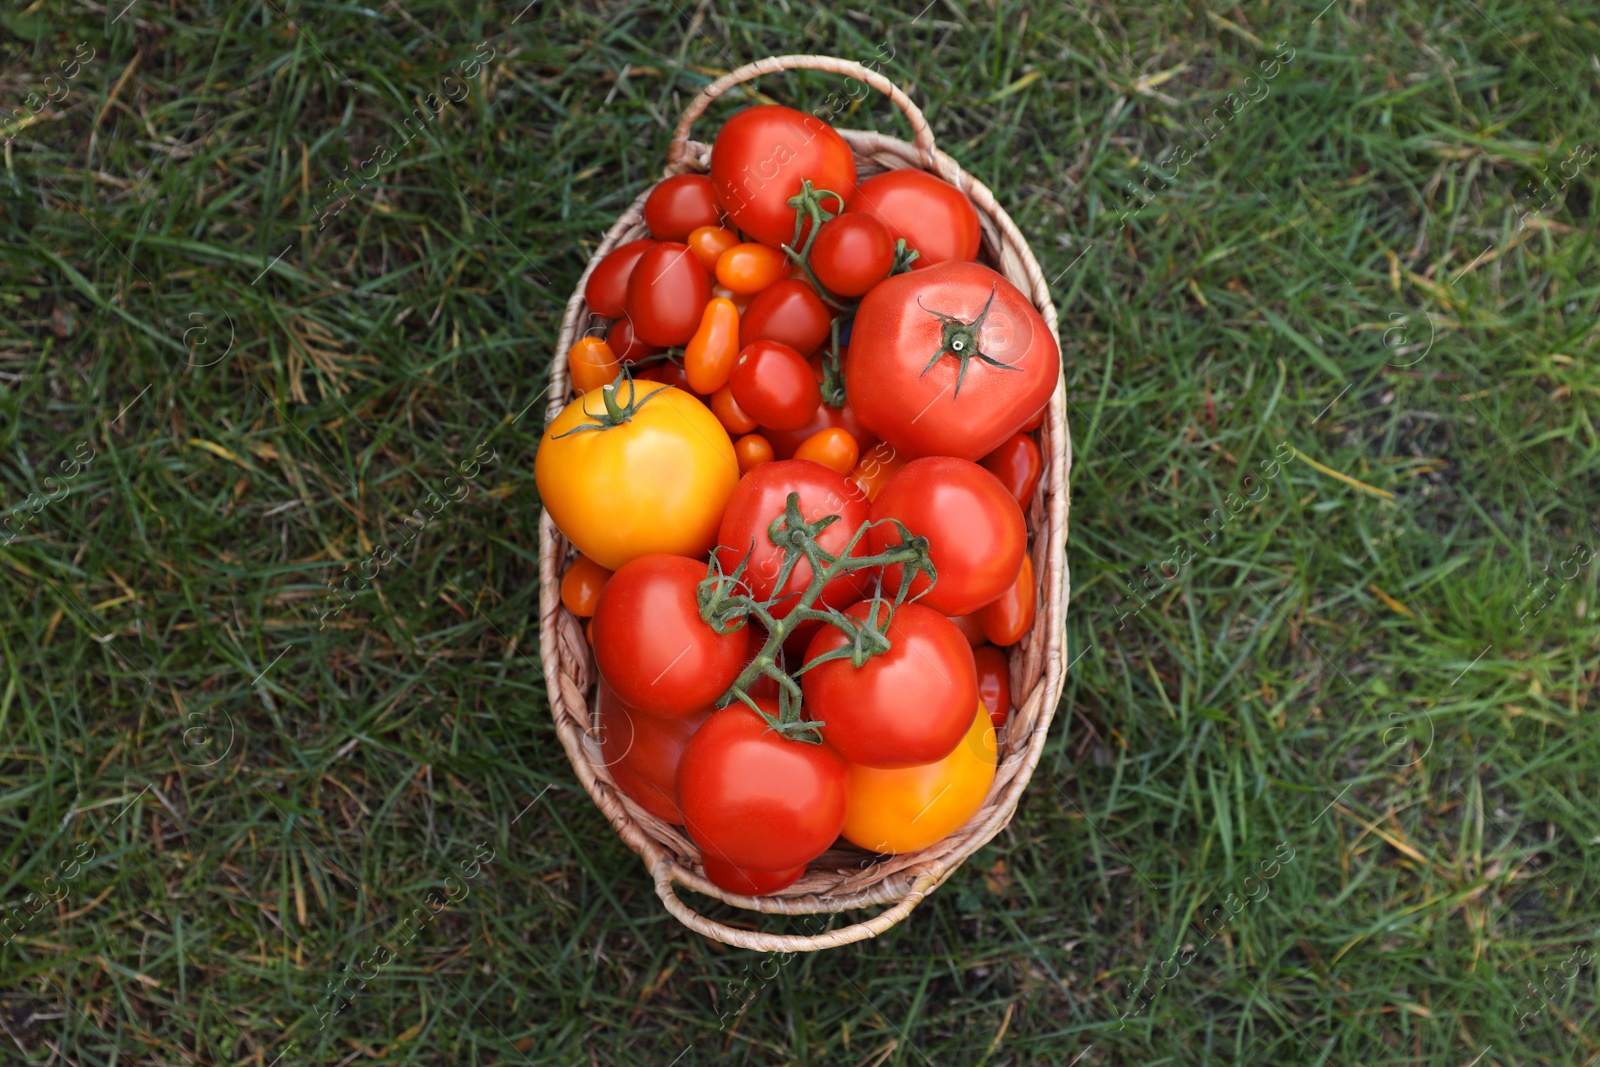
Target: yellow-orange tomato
point(876, 468)
point(907, 808)
point(591, 364)
point(729, 413)
point(831, 447)
point(750, 268)
point(1007, 620)
point(752, 450)
point(581, 585)
point(708, 358)
point(709, 242)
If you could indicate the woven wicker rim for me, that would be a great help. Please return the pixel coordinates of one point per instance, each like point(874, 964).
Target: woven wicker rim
point(1036, 663)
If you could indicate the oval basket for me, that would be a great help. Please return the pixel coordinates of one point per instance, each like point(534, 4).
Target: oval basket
point(845, 877)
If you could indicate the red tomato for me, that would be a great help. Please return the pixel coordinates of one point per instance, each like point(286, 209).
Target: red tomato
point(625, 344)
point(752, 450)
point(875, 467)
point(912, 704)
point(851, 254)
point(750, 268)
point(784, 442)
point(933, 216)
point(709, 242)
point(971, 627)
point(606, 291)
point(581, 586)
point(774, 385)
point(760, 157)
point(831, 447)
point(1034, 423)
point(679, 205)
point(760, 498)
point(789, 311)
point(667, 292)
point(975, 531)
point(1018, 465)
point(671, 373)
point(994, 683)
point(725, 875)
point(651, 645)
point(758, 800)
point(642, 752)
point(1008, 619)
point(729, 413)
point(917, 373)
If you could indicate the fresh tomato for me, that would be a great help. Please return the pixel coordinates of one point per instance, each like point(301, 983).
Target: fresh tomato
point(708, 243)
point(581, 585)
point(975, 531)
point(709, 357)
point(831, 447)
point(773, 383)
point(875, 467)
point(902, 809)
point(679, 205)
point(759, 159)
point(949, 361)
point(789, 311)
point(851, 254)
point(591, 364)
point(1034, 423)
point(750, 268)
point(752, 450)
point(650, 470)
point(729, 413)
point(1018, 465)
point(725, 875)
point(760, 498)
point(933, 216)
point(666, 293)
point(642, 752)
point(626, 345)
point(668, 373)
point(971, 627)
point(1008, 619)
point(756, 799)
point(909, 705)
point(651, 645)
point(994, 683)
point(606, 291)
point(784, 442)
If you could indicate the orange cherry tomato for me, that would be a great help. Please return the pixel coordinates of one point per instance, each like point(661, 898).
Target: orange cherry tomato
point(708, 359)
point(1006, 620)
point(994, 683)
point(875, 468)
point(750, 268)
point(581, 585)
point(709, 242)
point(752, 450)
point(729, 413)
point(831, 447)
point(591, 364)
point(971, 628)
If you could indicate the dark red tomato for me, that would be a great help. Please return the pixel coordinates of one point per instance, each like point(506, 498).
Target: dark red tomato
point(651, 645)
point(1034, 423)
point(790, 312)
point(784, 442)
point(642, 752)
point(976, 535)
point(773, 384)
point(759, 498)
point(994, 683)
point(1009, 618)
point(918, 371)
point(725, 875)
point(912, 704)
point(625, 344)
point(1018, 465)
point(606, 291)
point(760, 157)
point(933, 216)
point(755, 799)
point(851, 254)
point(671, 373)
point(971, 627)
point(680, 205)
point(667, 293)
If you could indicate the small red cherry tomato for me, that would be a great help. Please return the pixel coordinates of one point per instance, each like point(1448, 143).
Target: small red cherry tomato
point(713, 348)
point(729, 413)
point(1008, 619)
point(971, 628)
point(606, 291)
point(679, 205)
point(642, 752)
point(666, 293)
point(591, 364)
point(831, 447)
point(773, 383)
point(1034, 423)
point(581, 585)
point(784, 442)
point(789, 311)
point(708, 243)
point(725, 875)
point(626, 345)
point(752, 450)
point(1018, 465)
point(994, 683)
point(851, 254)
point(749, 268)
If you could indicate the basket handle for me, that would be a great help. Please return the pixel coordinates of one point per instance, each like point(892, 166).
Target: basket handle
point(922, 133)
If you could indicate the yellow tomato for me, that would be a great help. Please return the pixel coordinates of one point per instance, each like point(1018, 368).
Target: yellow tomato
point(907, 808)
point(627, 470)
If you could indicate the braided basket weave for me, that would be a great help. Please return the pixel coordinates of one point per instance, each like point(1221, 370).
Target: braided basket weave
point(845, 877)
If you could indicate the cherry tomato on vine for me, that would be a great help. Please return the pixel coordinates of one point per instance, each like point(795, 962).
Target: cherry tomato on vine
point(1009, 618)
point(581, 585)
point(591, 364)
point(831, 447)
point(626, 345)
point(725, 875)
point(851, 254)
point(708, 243)
point(994, 682)
point(606, 291)
point(933, 216)
point(750, 268)
point(759, 159)
point(773, 384)
point(679, 205)
point(790, 312)
point(666, 292)
point(903, 809)
point(710, 354)
point(752, 450)
point(642, 752)
point(729, 413)
point(1018, 465)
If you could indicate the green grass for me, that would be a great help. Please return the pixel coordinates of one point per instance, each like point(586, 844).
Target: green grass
point(228, 804)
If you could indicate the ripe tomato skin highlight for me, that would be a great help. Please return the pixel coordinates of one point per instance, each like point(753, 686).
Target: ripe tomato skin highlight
point(651, 645)
point(906, 706)
point(708, 358)
point(994, 683)
point(832, 447)
point(642, 752)
point(752, 450)
point(916, 406)
point(933, 216)
point(790, 312)
point(749, 268)
point(976, 534)
point(1018, 464)
point(1009, 618)
point(774, 385)
point(904, 809)
point(708, 243)
point(760, 498)
point(759, 158)
point(755, 799)
point(725, 875)
point(606, 291)
point(591, 364)
point(729, 413)
point(666, 293)
point(625, 344)
point(679, 205)
point(852, 253)
point(581, 585)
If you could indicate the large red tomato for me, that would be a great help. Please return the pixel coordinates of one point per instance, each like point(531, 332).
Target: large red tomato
point(789, 311)
point(759, 159)
point(949, 361)
point(909, 705)
point(976, 534)
point(756, 799)
point(651, 644)
point(933, 216)
point(667, 292)
point(642, 752)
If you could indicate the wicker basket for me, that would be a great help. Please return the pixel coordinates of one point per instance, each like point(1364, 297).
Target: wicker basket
point(844, 877)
